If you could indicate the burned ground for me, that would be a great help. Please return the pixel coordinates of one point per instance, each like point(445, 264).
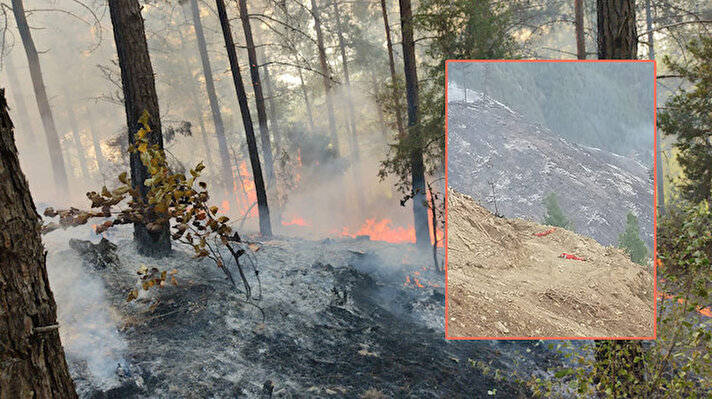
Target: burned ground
point(341, 320)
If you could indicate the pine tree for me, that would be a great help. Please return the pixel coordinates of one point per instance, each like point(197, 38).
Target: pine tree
point(630, 241)
point(687, 116)
point(554, 215)
point(139, 89)
point(32, 363)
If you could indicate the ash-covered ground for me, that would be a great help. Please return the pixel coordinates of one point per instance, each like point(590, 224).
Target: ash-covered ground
point(343, 318)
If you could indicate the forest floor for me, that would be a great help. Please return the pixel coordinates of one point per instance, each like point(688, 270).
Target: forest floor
point(505, 281)
point(346, 318)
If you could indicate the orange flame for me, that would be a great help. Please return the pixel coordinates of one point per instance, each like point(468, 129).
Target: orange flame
point(382, 230)
point(296, 221)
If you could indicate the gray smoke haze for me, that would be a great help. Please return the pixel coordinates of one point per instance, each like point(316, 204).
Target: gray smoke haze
point(88, 324)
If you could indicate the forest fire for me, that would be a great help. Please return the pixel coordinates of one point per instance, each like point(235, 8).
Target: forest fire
point(295, 221)
point(382, 230)
point(416, 280)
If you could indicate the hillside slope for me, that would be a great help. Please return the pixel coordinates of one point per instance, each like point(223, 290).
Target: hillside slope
point(503, 280)
point(490, 144)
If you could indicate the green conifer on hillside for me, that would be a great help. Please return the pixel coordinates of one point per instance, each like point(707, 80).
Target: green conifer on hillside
point(630, 241)
point(554, 215)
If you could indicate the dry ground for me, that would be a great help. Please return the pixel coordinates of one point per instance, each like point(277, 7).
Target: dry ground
point(503, 281)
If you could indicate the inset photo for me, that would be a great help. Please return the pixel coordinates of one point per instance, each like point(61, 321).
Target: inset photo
point(550, 199)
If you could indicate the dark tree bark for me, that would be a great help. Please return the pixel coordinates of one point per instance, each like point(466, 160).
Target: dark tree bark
point(257, 87)
point(139, 89)
point(32, 363)
point(392, 65)
point(75, 133)
point(263, 208)
point(20, 105)
point(580, 38)
point(420, 210)
point(325, 76)
point(59, 170)
point(617, 37)
point(225, 167)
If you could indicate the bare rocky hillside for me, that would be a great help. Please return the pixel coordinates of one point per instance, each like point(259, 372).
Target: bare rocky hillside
point(489, 144)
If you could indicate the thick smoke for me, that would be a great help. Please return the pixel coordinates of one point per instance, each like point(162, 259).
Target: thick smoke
point(88, 324)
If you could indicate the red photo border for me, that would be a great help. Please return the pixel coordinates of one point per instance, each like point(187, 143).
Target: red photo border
point(655, 194)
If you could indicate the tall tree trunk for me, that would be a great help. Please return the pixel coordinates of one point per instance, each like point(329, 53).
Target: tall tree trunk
point(20, 105)
point(69, 103)
point(580, 38)
point(381, 119)
point(659, 172)
point(464, 81)
point(194, 98)
point(139, 89)
point(325, 76)
point(347, 80)
point(225, 167)
point(420, 210)
point(274, 127)
point(617, 38)
point(310, 113)
point(392, 65)
point(263, 208)
point(351, 115)
point(59, 170)
point(98, 155)
point(31, 355)
point(257, 87)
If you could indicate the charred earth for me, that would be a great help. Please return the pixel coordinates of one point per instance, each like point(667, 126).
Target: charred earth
point(343, 318)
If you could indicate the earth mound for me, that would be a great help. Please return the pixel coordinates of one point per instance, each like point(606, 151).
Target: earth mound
point(504, 280)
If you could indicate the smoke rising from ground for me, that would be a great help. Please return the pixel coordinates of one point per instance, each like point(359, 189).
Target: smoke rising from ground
point(88, 324)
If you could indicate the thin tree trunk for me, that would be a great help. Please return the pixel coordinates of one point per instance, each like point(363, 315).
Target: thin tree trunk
point(381, 119)
point(659, 172)
point(98, 155)
point(580, 38)
point(347, 80)
point(392, 65)
point(257, 87)
point(32, 363)
point(325, 76)
point(420, 210)
point(20, 105)
point(274, 127)
point(350, 116)
point(617, 37)
point(263, 208)
point(212, 99)
point(197, 106)
point(75, 133)
point(139, 89)
point(464, 81)
point(310, 113)
point(59, 170)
